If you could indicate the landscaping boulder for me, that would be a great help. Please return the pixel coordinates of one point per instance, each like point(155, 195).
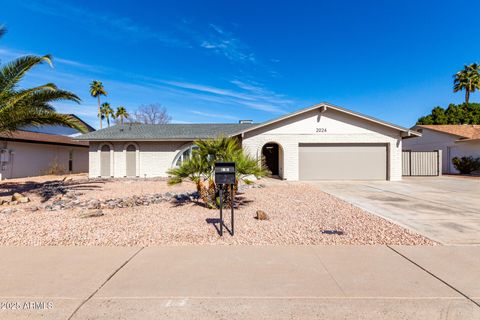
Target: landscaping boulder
point(94, 204)
point(5, 200)
point(96, 213)
point(24, 200)
point(261, 215)
point(8, 210)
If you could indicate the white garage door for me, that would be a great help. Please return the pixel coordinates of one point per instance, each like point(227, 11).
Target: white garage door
point(319, 161)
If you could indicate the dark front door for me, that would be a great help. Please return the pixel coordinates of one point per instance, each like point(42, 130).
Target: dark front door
point(270, 152)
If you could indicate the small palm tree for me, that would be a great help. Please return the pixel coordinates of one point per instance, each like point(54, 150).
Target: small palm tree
point(122, 114)
point(107, 112)
point(31, 106)
point(97, 90)
point(467, 79)
point(199, 167)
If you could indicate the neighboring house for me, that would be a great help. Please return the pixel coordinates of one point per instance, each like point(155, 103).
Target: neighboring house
point(319, 142)
point(34, 151)
point(454, 141)
point(26, 154)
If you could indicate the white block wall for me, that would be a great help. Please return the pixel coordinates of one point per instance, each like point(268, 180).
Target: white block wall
point(340, 128)
point(153, 158)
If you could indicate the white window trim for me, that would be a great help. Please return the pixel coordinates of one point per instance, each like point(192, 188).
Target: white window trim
point(181, 152)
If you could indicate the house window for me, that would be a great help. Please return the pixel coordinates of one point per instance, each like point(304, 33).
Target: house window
point(184, 155)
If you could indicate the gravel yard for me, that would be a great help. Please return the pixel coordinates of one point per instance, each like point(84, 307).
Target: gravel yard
point(298, 213)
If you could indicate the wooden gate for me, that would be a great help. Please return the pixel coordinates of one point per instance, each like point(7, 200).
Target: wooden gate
point(422, 163)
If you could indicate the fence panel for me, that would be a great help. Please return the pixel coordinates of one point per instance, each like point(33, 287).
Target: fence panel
point(421, 163)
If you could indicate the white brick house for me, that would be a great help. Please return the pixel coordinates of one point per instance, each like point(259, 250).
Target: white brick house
point(319, 142)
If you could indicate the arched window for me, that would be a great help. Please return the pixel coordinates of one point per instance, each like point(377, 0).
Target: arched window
point(183, 155)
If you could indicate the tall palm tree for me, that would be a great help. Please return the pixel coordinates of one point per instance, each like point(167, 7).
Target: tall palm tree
point(107, 112)
point(467, 79)
point(31, 106)
point(122, 114)
point(97, 90)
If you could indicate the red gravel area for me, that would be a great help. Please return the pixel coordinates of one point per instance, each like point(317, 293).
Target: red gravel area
point(298, 213)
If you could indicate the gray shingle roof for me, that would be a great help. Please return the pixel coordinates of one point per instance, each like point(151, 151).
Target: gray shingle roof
point(169, 131)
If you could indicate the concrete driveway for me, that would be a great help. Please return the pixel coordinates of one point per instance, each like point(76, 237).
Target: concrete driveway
point(445, 209)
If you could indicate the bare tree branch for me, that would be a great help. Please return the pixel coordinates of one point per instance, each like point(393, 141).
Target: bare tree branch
point(152, 113)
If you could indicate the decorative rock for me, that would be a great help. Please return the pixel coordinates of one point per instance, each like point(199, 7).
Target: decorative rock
point(5, 200)
point(261, 215)
point(17, 196)
point(24, 200)
point(96, 213)
point(8, 210)
point(94, 204)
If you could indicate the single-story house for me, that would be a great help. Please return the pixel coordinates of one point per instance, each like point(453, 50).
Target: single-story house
point(26, 154)
point(319, 142)
point(38, 150)
point(454, 140)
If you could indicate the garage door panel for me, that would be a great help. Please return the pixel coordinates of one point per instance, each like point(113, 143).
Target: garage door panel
point(343, 162)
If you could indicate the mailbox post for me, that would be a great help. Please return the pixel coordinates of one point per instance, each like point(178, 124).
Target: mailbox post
point(225, 176)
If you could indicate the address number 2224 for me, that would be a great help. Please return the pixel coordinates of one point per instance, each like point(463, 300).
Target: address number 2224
point(321, 130)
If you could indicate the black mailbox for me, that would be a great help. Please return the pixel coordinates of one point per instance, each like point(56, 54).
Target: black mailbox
point(225, 173)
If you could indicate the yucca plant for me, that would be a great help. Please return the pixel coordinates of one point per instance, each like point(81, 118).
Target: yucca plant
point(199, 168)
point(20, 107)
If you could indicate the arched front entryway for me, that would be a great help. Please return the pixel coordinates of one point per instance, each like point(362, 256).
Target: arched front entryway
point(131, 161)
point(105, 161)
point(272, 155)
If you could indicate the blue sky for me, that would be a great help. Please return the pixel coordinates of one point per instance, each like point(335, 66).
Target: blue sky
point(221, 61)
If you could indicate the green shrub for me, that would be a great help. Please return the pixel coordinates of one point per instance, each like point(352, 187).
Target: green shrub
point(466, 165)
point(199, 168)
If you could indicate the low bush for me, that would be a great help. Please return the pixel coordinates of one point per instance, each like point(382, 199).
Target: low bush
point(466, 165)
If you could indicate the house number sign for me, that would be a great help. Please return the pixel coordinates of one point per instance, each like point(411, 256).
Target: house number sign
point(321, 130)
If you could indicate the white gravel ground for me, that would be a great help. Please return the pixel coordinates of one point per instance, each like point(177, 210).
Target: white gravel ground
point(298, 214)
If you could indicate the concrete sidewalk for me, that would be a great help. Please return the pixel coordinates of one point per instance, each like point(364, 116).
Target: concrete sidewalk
point(240, 282)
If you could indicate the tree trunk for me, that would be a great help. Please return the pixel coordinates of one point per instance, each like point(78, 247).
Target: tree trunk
point(99, 112)
point(467, 97)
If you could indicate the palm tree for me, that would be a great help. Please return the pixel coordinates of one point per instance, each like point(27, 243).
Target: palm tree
point(97, 90)
point(107, 112)
point(199, 167)
point(122, 114)
point(467, 79)
point(31, 106)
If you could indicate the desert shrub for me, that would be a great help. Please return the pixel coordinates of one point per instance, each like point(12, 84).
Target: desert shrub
point(466, 165)
point(199, 167)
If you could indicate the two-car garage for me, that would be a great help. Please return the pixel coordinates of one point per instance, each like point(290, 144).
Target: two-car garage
point(343, 161)
point(327, 142)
